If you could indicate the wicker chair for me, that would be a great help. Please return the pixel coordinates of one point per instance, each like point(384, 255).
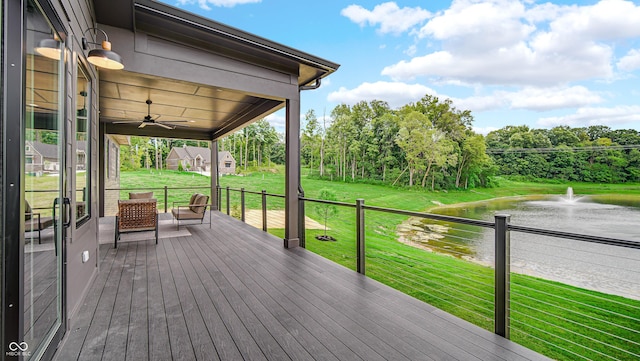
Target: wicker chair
point(195, 210)
point(136, 215)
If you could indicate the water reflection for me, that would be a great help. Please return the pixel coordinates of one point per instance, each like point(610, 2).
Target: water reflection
point(594, 266)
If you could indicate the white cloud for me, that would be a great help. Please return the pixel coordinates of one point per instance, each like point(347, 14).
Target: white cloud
point(615, 116)
point(204, 4)
point(484, 130)
point(390, 17)
point(277, 121)
point(480, 103)
point(535, 99)
point(471, 26)
point(507, 42)
point(395, 94)
point(541, 99)
point(411, 50)
point(630, 62)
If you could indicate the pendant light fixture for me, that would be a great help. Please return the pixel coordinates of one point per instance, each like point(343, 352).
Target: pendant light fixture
point(50, 48)
point(103, 57)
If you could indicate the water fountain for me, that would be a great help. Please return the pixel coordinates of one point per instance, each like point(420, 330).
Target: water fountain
point(570, 194)
point(569, 197)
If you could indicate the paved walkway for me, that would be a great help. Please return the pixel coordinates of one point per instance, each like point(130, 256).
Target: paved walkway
point(275, 219)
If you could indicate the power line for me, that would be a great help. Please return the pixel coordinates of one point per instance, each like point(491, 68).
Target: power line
point(563, 149)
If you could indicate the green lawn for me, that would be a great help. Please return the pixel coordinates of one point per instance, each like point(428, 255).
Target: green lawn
point(558, 320)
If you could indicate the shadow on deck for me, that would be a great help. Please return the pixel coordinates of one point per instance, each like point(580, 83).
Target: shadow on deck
point(233, 292)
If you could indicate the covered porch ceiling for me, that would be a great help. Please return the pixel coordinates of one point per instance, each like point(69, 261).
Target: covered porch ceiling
point(205, 80)
point(192, 110)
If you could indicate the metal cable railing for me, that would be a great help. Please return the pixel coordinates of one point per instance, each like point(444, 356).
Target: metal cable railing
point(555, 317)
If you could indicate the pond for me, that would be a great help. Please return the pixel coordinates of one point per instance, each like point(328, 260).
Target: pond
point(594, 266)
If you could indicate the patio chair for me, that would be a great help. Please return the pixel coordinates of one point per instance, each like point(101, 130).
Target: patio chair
point(34, 221)
point(195, 210)
point(136, 215)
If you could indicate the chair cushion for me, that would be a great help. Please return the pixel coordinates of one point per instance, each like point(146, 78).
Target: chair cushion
point(199, 199)
point(185, 213)
point(144, 195)
point(192, 200)
point(32, 224)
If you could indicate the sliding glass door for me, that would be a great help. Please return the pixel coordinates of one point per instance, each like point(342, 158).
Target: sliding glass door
point(44, 179)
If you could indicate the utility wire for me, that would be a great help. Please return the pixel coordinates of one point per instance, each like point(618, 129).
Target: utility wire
point(563, 149)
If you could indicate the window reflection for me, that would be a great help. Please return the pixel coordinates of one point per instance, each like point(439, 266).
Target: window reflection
point(83, 126)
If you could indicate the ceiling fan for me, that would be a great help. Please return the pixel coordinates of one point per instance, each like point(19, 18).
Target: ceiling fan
point(149, 120)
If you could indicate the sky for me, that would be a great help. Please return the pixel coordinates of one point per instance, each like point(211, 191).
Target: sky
point(511, 62)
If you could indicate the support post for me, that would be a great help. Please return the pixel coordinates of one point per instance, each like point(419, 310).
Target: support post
point(502, 275)
point(360, 236)
point(166, 198)
point(215, 185)
point(292, 172)
point(264, 210)
point(228, 202)
point(242, 204)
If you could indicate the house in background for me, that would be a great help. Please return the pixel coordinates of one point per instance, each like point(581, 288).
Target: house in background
point(41, 158)
point(226, 163)
point(199, 159)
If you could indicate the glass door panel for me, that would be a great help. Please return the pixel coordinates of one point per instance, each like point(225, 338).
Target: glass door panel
point(43, 165)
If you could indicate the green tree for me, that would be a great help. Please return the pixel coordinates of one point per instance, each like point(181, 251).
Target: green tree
point(324, 210)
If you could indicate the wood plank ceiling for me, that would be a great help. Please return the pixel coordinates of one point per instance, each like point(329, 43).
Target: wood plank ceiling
point(180, 104)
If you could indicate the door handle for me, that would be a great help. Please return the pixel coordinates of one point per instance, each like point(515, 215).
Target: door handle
point(66, 204)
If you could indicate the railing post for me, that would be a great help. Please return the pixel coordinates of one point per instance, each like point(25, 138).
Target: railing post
point(228, 202)
point(264, 210)
point(166, 199)
point(242, 204)
point(219, 193)
point(301, 219)
point(360, 236)
point(502, 276)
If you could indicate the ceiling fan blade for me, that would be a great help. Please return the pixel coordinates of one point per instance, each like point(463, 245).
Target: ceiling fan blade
point(165, 126)
point(125, 121)
point(142, 125)
point(178, 121)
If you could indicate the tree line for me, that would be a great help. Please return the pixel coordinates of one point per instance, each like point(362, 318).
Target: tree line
point(431, 144)
point(428, 144)
point(587, 154)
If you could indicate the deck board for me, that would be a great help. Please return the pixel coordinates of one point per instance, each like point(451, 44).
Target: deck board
point(232, 292)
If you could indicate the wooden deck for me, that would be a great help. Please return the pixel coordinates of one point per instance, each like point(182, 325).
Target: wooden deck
point(233, 292)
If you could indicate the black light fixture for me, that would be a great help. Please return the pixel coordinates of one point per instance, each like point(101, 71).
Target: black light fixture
point(50, 48)
point(104, 57)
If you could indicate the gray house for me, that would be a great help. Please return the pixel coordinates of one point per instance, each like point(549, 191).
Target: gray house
point(40, 158)
point(199, 159)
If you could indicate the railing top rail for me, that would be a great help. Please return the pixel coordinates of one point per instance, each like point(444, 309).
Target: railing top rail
point(438, 217)
point(155, 188)
point(253, 192)
point(576, 236)
point(324, 201)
